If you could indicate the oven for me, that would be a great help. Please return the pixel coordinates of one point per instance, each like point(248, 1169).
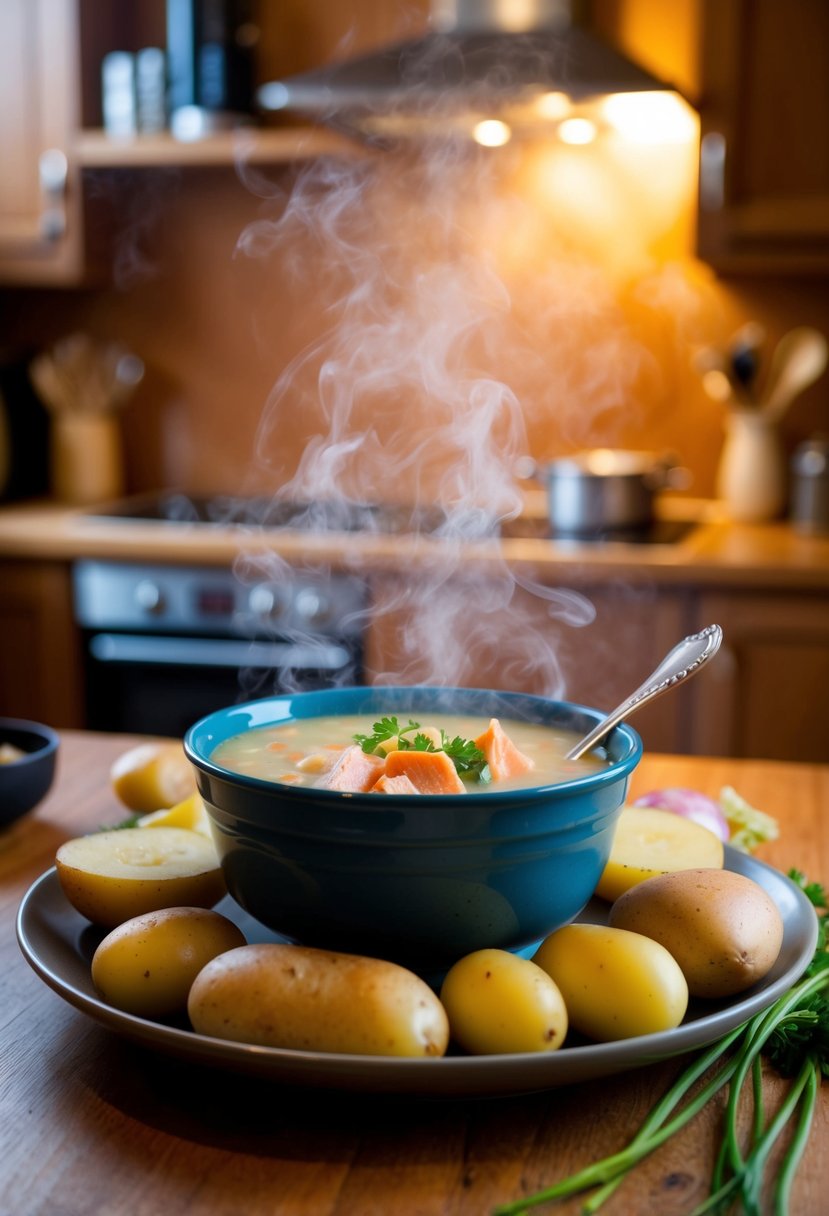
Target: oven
point(164, 645)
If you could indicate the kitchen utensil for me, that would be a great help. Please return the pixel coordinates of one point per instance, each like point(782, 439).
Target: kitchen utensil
point(685, 660)
point(809, 508)
point(417, 879)
point(799, 360)
point(605, 489)
point(744, 356)
point(751, 475)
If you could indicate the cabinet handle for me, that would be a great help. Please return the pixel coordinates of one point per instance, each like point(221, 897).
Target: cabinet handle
point(53, 169)
point(712, 171)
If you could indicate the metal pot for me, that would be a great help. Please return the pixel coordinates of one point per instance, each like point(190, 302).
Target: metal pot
point(605, 489)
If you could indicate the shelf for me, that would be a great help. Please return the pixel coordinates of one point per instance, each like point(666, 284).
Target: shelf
point(95, 149)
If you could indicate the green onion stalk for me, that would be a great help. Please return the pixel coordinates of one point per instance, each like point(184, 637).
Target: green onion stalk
point(793, 1034)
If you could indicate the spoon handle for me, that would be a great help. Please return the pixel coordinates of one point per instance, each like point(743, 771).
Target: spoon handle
point(685, 660)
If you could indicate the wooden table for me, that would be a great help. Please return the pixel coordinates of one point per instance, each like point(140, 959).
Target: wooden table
point(93, 1125)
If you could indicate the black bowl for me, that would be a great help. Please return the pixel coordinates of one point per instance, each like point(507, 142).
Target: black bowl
point(26, 781)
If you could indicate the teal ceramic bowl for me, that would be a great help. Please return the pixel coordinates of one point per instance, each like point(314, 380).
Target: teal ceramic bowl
point(418, 880)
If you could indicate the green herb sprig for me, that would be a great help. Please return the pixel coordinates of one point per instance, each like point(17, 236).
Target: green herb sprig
point(793, 1034)
point(468, 759)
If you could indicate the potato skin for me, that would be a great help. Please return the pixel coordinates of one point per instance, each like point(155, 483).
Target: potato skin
point(616, 984)
point(500, 1002)
point(111, 876)
point(306, 999)
point(724, 929)
point(147, 964)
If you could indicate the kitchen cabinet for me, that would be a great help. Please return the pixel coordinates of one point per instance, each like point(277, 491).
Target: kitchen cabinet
point(767, 693)
point(41, 239)
point(40, 661)
point(528, 646)
point(764, 160)
point(50, 120)
point(758, 73)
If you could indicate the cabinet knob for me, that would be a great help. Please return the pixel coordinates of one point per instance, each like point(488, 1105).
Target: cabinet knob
point(53, 171)
point(712, 171)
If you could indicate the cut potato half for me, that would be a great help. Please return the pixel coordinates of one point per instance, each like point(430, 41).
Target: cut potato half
point(152, 776)
point(112, 876)
point(190, 813)
point(650, 841)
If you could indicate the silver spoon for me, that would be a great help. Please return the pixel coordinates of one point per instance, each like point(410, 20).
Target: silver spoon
point(685, 660)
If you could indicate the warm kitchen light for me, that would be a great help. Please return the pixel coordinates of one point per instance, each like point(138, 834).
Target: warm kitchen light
point(650, 118)
point(577, 131)
point(553, 106)
point(491, 133)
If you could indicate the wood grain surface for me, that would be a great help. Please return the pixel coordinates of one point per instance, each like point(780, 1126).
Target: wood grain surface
point(93, 1125)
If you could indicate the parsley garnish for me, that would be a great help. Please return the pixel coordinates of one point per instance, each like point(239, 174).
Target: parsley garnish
point(468, 759)
point(384, 730)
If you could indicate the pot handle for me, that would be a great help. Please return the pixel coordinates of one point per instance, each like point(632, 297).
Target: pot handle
point(668, 475)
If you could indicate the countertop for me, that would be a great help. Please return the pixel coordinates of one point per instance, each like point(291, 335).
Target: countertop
point(96, 1126)
point(711, 551)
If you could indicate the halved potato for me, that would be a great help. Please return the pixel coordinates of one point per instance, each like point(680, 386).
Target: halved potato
point(112, 876)
point(190, 813)
point(151, 776)
point(651, 841)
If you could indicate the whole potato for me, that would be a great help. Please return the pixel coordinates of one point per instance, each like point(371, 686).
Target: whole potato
point(500, 1002)
point(152, 775)
point(307, 999)
point(112, 876)
point(146, 965)
point(724, 929)
point(616, 984)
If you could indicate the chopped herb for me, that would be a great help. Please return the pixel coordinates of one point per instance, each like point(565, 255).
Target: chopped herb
point(468, 759)
point(384, 730)
point(132, 821)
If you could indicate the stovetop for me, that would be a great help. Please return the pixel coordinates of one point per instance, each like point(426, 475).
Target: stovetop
point(329, 515)
point(325, 515)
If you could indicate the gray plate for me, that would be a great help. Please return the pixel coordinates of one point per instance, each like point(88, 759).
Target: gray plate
point(58, 943)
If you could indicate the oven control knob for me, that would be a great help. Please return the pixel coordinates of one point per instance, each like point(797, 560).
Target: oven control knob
point(311, 606)
point(149, 597)
point(265, 604)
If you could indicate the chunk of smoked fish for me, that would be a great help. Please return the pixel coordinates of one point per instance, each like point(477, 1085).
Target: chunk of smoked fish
point(429, 772)
point(394, 785)
point(502, 756)
point(355, 772)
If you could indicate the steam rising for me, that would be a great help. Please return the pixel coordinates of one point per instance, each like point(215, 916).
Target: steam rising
point(405, 398)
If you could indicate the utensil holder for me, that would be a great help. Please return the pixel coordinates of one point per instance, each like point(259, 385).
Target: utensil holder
point(751, 478)
point(86, 458)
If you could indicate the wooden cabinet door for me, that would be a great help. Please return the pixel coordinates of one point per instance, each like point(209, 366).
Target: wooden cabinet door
point(40, 208)
point(40, 658)
point(764, 157)
point(474, 634)
point(767, 692)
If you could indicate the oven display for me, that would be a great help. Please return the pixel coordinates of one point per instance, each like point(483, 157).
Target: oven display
point(213, 602)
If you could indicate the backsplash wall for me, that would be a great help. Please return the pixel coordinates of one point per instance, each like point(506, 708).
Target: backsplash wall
point(583, 325)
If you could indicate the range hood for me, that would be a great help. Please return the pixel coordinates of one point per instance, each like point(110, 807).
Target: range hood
point(522, 62)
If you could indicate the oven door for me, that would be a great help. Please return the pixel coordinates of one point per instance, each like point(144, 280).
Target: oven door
point(161, 684)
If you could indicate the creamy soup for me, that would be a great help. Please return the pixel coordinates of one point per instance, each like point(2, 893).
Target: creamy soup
point(421, 753)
